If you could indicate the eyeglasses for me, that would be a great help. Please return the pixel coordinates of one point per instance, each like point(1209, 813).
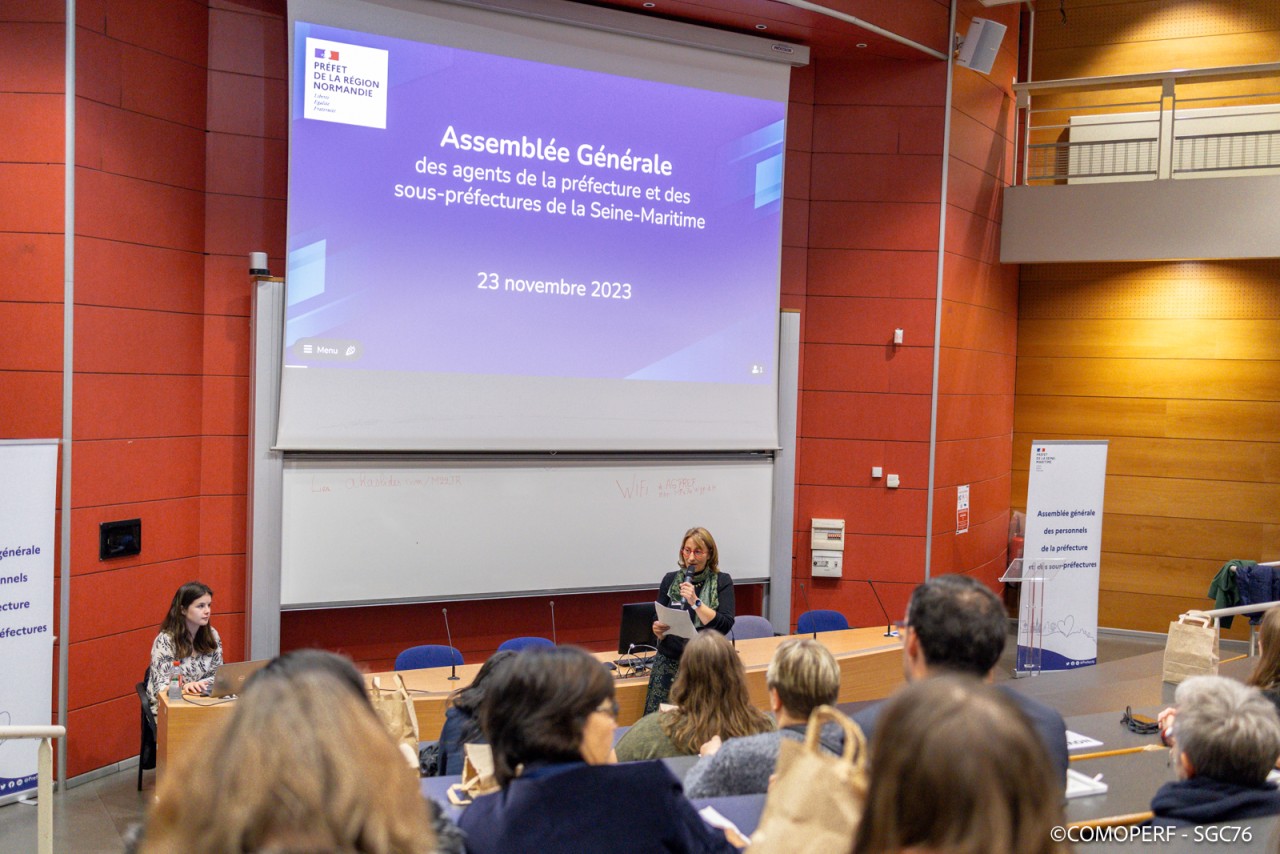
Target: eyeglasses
point(608, 707)
point(688, 552)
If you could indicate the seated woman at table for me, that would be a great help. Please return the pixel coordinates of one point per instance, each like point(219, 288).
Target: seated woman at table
point(1266, 675)
point(956, 767)
point(1225, 739)
point(187, 638)
point(802, 676)
point(711, 701)
point(462, 718)
point(303, 764)
point(705, 592)
point(550, 716)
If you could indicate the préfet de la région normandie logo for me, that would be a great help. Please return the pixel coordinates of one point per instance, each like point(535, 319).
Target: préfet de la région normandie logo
point(345, 83)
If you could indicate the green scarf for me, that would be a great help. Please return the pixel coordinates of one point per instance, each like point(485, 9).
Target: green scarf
point(708, 591)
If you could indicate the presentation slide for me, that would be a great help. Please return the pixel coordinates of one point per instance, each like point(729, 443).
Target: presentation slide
point(523, 254)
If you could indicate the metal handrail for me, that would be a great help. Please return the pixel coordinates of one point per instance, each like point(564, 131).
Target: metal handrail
point(1164, 113)
point(44, 777)
point(1222, 72)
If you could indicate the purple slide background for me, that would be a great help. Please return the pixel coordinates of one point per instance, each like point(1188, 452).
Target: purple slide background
point(412, 266)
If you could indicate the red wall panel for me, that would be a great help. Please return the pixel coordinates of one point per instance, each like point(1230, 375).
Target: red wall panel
point(128, 143)
point(130, 275)
point(113, 406)
point(126, 340)
point(33, 267)
point(877, 177)
point(40, 415)
point(32, 55)
point(124, 471)
point(39, 325)
point(103, 733)
point(40, 116)
point(31, 197)
point(862, 320)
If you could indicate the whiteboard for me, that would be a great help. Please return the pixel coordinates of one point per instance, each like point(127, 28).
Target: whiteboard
point(412, 530)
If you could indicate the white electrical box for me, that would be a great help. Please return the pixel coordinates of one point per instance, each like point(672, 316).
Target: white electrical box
point(827, 534)
point(827, 564)
point(826, 542)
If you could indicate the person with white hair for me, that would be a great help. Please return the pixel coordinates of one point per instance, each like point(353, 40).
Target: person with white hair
point(1226, 739)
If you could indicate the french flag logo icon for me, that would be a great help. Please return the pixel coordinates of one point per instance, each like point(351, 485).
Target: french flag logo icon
point(321, 53)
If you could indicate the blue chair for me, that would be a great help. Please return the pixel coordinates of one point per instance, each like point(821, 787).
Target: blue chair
point(748, 626)
point(517, 644)
point(821, 621)
point(428, 655)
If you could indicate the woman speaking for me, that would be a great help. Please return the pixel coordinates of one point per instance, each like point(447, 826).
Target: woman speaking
point(701, 588)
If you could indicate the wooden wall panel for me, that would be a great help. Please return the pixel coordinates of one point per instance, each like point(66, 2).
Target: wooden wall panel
point(1169, 362)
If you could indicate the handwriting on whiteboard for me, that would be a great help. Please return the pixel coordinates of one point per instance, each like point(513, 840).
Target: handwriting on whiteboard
point(667, 487)
point(385, 480)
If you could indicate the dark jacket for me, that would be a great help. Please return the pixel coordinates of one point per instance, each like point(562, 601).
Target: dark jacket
point(673, 647)
point(1048, 723)
point(635, 808)
point(1202, 800)
point(459, 728)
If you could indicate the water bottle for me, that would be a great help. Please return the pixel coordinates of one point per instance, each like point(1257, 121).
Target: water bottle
point(175, 686)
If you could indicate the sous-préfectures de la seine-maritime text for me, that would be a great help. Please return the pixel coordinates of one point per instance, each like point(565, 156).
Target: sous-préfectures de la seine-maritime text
point(622, 187)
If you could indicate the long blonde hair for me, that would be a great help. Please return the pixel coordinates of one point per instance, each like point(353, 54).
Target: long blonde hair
point(1266, 673)
point(303, 765)
point(711, 692)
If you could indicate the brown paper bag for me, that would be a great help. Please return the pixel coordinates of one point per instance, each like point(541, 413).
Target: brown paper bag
point(477, 775)
point(816, 800)
point(395, 707)
point(1192, 648)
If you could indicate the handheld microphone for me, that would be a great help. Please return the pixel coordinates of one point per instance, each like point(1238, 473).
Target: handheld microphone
point(688, 577)
point(888, 624)
point(553, 620)
point(449, 635)
point(805, 594)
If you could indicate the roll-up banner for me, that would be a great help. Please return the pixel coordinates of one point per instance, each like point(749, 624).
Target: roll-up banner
point(28, 496)
point(1065, 488)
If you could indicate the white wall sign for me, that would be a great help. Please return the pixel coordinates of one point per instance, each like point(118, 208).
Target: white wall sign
point(962, 509)
point(1064, 529)
point(28, 495)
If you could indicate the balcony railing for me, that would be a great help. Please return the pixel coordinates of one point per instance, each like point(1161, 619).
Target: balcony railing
point(1209, 122)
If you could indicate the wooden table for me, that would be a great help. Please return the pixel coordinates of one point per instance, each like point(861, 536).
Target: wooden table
point(181, 723)
point(870, 668)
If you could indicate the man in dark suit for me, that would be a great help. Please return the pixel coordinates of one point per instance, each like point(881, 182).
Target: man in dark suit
point(956, 625)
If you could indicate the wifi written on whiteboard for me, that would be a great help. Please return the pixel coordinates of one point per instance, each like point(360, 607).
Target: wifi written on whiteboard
point(666, 487)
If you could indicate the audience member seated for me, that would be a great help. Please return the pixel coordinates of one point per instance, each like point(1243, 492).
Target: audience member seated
point(958, 768)
point(303, 765)
point(1226, 739)
point(956, 625)
point(1266, 675)
point(461, 718)
point(711, 698)
point(802, 676)
point(550, 716)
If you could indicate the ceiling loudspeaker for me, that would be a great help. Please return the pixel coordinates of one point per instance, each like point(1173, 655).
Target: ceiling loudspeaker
point(978, 47)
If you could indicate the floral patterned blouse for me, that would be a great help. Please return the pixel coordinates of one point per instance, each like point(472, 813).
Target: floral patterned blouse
point(194, 667)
